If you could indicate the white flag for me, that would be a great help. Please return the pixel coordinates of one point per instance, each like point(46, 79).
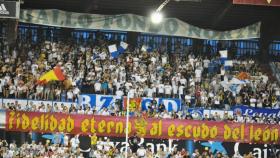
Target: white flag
point(223, 53)
point(113, 48)
point(124, 45)
point(228, 63)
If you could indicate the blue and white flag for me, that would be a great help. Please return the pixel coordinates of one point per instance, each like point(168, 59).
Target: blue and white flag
point(114, 51)
point(224, 56)
point(228, 64)
point(223, 53)
point(146, 48)
point(123, 46)
point(234, 85)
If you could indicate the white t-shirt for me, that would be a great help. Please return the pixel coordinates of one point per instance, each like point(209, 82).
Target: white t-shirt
point(141, 152)
point(161, 88)
point(107, 146)
point(153, 59)
point(12, 89)
point(127, 85)
point(183, 81)
point(150, 92)
point(198, 73)
point(97, 86)
point(74, 142)
point(76, 91)
point(119, 94)
point(105, 113)
point(253, 101)
point(164, 60)
point(166, 115)
point(206, 63)
point(99, 145)
point(69, 95)
point(168, 89)
point(223, 71)
point(175, 89)
point(181, 90)
point(80, 111)
point(66, 140)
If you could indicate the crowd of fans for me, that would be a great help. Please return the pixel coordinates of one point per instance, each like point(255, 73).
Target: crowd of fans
point(101, 148)
point(195, 78)
point(89, 68)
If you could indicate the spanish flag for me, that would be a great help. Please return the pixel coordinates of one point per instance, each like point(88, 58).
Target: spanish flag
point(52, 75)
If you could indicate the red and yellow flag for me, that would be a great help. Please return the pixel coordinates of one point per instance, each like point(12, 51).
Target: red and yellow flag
point(52, 75)
point(134, 104)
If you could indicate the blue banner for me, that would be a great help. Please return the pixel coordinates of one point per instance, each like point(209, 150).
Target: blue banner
point(199, 112)
point(171, 104)
point(97, 101)
point(250, 111)
point(100, 101)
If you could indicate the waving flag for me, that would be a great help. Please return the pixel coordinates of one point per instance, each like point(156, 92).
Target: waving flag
point(228, 64)
point(55, 74)
point(134, 104)
point(223, 53)
point(123, 46)
point(114, 51)
point(146, 49)
point(224, 56)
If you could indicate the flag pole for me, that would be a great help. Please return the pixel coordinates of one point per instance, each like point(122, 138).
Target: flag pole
point(126, 128)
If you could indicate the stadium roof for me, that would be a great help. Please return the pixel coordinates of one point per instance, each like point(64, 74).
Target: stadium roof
point(214, 14)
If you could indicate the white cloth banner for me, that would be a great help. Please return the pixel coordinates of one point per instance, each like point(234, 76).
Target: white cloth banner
point(135, 23)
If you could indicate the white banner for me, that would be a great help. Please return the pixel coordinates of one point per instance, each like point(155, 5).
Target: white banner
point(135, 23)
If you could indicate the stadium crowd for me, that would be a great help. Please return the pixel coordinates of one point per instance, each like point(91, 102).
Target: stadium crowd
point(100, 148)
point(89, 68)
point(195, 78)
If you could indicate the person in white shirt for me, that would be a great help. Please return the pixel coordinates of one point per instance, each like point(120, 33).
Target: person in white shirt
point(160, 90)
point(76, 92)
point(99, 144)
point(198, 73)
point(175, 91)
point(150, 92)
point(168, 90)
point(70, 95)
point(141, 152)
point(80, 110)
point(164, 60)
point(183, 80)
point(181, 91)
point(75, 142)
point(105, 112)
point(119, 94)
point(66, 140)
point(12, 91)
point(128, 85)
point(108, 145)
point(165, 114)
point(97, 87)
